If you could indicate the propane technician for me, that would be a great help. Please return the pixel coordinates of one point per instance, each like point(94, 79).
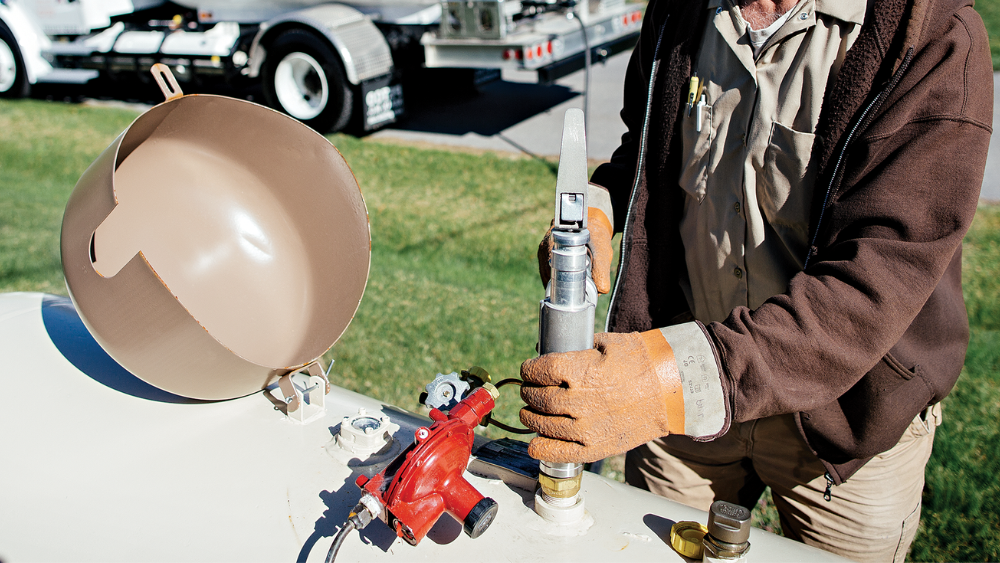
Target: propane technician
point(792, 190)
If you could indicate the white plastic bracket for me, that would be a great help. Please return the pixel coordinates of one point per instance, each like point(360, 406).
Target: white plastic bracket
point(304, 392)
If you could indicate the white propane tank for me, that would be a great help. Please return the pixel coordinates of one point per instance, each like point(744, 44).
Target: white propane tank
point(97, 465)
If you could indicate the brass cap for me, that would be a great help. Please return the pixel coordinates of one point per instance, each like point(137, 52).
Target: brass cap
point(685, 538)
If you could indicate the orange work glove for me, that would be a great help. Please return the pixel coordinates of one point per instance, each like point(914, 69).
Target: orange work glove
point(592, 404)
point(600, 251)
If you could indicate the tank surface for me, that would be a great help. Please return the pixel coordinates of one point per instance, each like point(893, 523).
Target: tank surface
point(97, 465)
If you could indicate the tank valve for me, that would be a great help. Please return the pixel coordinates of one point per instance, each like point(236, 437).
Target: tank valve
point(445, 391)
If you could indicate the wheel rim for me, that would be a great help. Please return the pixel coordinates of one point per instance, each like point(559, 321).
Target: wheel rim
point(301, 87)
point(8, 67)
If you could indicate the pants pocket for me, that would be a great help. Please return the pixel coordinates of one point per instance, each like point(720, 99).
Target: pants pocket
point(907, 533)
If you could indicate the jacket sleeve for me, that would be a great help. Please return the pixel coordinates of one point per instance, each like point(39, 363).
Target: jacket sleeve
point(618, 175)
point(897, 212)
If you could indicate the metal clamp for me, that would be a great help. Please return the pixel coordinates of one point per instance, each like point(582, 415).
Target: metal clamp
point(304, 394)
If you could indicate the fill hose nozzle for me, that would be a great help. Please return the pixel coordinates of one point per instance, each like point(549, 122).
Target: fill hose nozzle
point(566, 315)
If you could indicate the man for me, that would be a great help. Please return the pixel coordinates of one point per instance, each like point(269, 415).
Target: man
point(793, 190)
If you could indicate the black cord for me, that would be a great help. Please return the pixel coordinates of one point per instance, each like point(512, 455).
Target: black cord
point(510, 429)
point(500, 425)
point(339, 540)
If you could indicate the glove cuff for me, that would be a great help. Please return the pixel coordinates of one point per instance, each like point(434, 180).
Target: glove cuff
point(700, 380)
point(601, 232)
point(661, 355)
point(599, 198)
point(598, 221)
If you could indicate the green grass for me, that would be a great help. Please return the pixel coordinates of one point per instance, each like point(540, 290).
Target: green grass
point(44, 148)
point(989, 10)
point(961, 518)
point(453, 283)
point(453, 280)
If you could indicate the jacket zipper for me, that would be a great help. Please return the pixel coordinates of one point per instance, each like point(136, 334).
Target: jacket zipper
point(623, 254)
point(874, 106)
point(828, 494)
point(862, 120)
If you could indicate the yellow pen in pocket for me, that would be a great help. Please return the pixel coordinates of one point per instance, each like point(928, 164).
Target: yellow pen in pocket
point(694, 87)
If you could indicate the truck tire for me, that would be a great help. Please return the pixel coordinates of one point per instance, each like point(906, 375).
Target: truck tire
point(13, 79)
point(304, 78)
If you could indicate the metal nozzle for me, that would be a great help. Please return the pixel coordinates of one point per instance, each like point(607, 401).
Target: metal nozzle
point(566, 317)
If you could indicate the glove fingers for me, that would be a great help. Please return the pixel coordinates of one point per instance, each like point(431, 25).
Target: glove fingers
point(544, 255)
point(556, 427)
point(547, 400)
point(563, 368)
point(601, 252)
point(601, 269)
point(563, 452)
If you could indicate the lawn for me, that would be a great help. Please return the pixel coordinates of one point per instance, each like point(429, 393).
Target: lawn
point(990, 12)
point(453, 284)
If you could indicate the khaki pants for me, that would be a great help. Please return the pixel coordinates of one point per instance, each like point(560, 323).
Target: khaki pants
point(873, 516)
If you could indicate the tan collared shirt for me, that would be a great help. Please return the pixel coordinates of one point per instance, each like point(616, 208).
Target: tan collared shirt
point(748, 179)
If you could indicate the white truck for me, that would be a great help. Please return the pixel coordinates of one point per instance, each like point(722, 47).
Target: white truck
point(329, 64)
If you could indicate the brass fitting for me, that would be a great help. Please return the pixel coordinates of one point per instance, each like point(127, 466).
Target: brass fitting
point(559, 488)
point(493, 391)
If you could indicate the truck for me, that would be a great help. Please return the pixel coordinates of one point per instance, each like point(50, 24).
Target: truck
point(332, 65)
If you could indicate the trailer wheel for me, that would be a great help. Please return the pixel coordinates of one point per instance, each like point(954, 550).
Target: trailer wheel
point(13, 79)
point(304, 78)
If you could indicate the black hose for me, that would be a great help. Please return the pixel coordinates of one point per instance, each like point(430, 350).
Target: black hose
point(510, 429)
point(339, 540)
point(500, 425)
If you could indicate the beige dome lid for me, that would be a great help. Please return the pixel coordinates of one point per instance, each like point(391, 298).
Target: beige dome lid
point(215, 246)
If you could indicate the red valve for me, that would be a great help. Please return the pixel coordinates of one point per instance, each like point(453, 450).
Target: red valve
point(426, 480)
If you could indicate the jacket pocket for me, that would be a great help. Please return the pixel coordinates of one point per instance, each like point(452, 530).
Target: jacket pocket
point(871, 417)
point(697, 152)
point(785, 191)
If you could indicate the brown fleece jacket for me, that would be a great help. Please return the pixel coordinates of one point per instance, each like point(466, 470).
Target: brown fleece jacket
point(874, 329)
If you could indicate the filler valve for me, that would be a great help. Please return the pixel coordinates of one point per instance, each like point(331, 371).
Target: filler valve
point(572, 208)
point(571, 179)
